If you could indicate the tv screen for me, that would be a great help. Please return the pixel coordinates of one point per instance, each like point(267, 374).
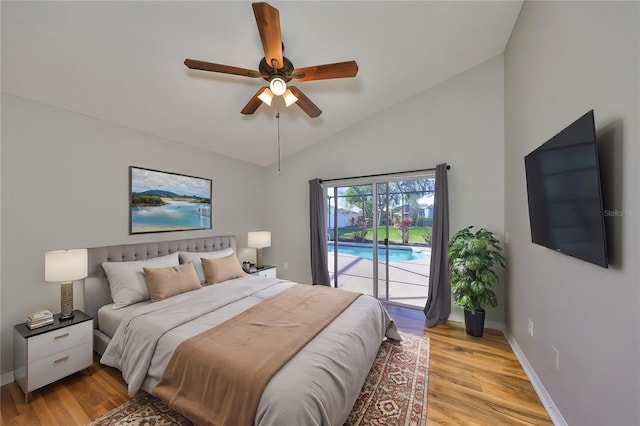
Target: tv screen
point(564, 194)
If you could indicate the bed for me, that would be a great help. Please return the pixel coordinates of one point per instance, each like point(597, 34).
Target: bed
point(317, 386)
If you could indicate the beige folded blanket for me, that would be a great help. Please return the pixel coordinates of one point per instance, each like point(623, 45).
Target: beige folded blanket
point(217, 377)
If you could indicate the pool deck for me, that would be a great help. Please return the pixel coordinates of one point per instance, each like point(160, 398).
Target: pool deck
point(408, 280)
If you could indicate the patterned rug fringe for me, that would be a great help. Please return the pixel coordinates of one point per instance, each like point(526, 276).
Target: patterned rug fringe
point(394, 393)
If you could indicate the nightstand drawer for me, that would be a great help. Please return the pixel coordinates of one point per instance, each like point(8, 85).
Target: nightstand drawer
point(47, 344)
point(59, 365)
point(267, 272)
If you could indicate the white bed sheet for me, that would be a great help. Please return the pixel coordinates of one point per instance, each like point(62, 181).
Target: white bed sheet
point(109, 319)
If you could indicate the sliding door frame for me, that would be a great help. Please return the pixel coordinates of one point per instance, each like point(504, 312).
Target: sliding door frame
point(374, 181)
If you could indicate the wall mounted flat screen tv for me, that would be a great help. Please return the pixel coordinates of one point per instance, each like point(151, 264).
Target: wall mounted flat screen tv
point(564, 193)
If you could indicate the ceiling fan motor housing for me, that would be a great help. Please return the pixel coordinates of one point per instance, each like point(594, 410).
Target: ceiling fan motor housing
point(268, 72)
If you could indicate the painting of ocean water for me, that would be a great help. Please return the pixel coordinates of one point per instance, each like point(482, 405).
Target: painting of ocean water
point(162, 202)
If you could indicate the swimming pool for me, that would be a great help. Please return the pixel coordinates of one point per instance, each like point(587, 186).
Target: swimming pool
point(366, 252)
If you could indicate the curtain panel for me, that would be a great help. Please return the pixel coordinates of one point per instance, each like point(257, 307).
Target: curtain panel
point(318, 227)
point(438, 306)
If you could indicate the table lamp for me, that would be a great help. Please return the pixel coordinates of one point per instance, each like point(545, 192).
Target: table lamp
point(65, 266)
point(259, 240)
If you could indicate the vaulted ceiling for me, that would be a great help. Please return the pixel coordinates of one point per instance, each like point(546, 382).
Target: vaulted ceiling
point(122, 62)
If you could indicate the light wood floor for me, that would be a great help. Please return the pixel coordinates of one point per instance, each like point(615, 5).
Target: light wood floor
point(472, 381)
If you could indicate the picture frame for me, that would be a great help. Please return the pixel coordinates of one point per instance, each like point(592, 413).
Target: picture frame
point(168, 202)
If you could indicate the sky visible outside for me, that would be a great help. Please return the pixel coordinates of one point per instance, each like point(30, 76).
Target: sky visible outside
point(145, 180)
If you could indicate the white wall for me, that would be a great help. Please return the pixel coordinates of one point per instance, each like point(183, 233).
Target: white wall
point(459, 122)
point(65, 184)
point(563, 59)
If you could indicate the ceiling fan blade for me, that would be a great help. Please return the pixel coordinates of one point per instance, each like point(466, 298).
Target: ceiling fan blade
point(268, 20)
point(305, 103)
point(324, 72)
point(226, 69)
point(253, 103)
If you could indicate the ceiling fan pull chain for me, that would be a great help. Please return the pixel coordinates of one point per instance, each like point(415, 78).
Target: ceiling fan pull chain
point(278, 118)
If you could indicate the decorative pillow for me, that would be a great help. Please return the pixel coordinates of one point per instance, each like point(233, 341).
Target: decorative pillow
point(172, 280)
point(195, 258)
point(222, 269)
point(126, 279)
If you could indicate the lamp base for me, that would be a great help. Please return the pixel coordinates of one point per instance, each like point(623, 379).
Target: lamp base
point(66, 300)
point(64, 318)
point(259, 264)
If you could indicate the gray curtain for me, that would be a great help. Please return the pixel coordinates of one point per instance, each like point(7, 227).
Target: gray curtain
point(438, 305)
point(318, 229)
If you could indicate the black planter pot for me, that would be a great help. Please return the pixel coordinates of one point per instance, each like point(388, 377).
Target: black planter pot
point(474, 323)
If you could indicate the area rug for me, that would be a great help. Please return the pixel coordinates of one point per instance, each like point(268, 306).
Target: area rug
point(394, 393)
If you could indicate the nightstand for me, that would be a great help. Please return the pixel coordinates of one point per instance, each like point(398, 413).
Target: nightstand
point(46, 354)
point(266, 272)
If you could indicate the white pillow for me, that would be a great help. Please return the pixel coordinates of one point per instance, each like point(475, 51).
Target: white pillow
point(126, 279)
point(195, 257)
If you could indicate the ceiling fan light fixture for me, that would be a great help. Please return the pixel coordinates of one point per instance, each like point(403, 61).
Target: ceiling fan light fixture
point(289, 98)
point(278, 86)
point(266, 96)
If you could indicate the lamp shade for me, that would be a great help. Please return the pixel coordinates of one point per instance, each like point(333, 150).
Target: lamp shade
point(266, 96)
point(259, 239)
point(65, 265)
point(289, 98)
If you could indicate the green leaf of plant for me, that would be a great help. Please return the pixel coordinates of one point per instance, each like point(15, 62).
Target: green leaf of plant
point(472, 257)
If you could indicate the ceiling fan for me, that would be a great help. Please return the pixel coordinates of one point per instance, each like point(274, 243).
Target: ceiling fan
point(277, 69)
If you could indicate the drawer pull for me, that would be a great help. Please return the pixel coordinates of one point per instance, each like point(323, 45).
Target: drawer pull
point(61, 336)
point(61, 359)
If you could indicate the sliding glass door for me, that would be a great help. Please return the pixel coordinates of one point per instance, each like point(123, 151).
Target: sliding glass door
point(350, 211)
point(395, 217)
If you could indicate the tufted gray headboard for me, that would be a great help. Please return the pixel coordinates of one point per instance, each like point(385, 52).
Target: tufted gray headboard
point(96, 286)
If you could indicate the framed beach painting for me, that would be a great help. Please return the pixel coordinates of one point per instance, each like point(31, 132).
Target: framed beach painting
point(164, 202)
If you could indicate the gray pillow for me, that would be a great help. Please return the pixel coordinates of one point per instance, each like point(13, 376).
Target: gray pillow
point(187, 256)
point(126, 279)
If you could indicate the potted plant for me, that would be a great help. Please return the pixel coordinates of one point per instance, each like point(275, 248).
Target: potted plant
point(472, 258)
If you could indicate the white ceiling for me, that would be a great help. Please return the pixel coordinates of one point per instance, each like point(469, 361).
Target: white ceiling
point(122, 62)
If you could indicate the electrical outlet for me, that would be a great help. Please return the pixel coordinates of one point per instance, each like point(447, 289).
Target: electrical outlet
point(557, 357)
point(285, 265)
point(530, 327)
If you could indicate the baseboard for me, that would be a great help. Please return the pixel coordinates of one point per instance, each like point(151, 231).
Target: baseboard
point(6, 378)
point(545, 398)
